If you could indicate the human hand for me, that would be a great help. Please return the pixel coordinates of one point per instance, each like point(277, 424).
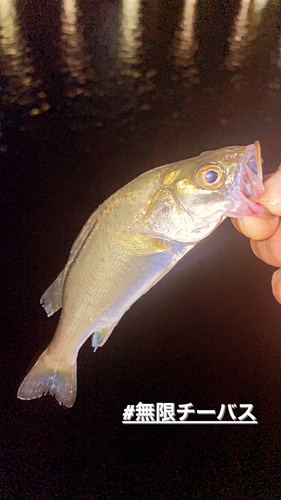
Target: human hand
point(265, 233)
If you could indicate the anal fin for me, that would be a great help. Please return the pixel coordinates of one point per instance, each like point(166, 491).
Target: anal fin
point(100, 337)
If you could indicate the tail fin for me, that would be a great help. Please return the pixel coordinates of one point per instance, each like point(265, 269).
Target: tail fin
point(50, 377)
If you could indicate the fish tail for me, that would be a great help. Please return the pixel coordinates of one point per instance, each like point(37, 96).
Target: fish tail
point(49, 376)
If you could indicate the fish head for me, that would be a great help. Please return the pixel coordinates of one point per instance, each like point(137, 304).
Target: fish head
point(199, 193)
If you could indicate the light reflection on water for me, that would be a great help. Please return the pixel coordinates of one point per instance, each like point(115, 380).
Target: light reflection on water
point(243, 32)
point(16, 67)
point(259, 4)
point(130, 31)
point(71, 41)
point(185, 43)
point(74, 58)
point(126, 51)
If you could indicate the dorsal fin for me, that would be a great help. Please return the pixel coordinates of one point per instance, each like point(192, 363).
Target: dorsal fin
point(83, 235)
point(51, 300)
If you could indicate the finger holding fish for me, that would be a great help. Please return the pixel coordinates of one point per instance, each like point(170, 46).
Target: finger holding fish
point(265, 233)
point(263, 228)
point(269, 251)
point(256, 228)
point(272, 197)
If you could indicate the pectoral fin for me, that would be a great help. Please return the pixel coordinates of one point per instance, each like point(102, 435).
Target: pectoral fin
point(141, 245)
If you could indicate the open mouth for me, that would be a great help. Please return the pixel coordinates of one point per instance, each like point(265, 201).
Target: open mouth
point(251, 186)
point(252, 176)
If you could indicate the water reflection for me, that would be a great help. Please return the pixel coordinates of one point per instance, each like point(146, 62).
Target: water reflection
point(259, 4)
point(16, 68)
point(240, 36)
point(73, 55)
point(185, 45)
point(130, 31)
point(8, 26)
point(71, 41)
point(267, 41)
point(131, 53)
point(245, 31)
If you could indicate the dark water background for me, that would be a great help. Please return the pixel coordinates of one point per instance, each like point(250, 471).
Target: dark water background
point(93, 94)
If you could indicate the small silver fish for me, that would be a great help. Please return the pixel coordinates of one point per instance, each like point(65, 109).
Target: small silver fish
point(129, 243)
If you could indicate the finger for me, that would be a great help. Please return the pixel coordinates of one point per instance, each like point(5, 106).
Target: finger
point(267, 176)
point(276, 285)
point(269, 250)
point(256, 228)
point(272, 198)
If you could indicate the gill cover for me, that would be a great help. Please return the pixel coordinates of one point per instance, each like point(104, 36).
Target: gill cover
point(166, 218)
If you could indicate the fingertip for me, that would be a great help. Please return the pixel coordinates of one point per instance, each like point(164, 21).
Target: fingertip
point(267, 250)
point(272, 198)
point(256, 228)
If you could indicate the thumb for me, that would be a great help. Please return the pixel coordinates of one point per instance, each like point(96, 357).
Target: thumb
point(272, 198)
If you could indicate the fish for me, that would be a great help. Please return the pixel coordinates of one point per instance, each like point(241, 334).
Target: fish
point(129, 243)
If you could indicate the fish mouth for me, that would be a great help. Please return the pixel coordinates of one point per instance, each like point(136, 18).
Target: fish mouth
point(251, 180)
point(252, 176)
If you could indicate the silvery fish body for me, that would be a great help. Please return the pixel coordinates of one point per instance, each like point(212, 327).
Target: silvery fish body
point(129, 243)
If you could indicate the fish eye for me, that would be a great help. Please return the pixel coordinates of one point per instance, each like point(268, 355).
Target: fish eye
point(210, 176)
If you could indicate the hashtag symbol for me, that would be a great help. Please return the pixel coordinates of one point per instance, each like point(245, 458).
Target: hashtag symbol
point(129, 412)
